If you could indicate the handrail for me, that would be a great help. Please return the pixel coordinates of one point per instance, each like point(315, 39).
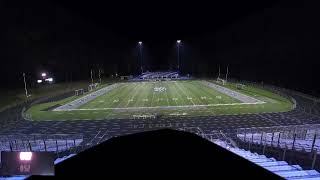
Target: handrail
point(284, 144)
point(279, 128)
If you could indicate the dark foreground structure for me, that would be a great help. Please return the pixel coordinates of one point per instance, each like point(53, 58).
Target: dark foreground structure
point(161, 154)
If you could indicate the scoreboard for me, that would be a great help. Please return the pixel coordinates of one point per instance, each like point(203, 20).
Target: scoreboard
point(27, 163)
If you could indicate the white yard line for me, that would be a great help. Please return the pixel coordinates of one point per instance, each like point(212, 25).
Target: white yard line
point(154, 85)
point(171, 89)
point(184, 93)
point(134, 94)
point(165, 107)
point(175, 90)
point(141, 86)
point(167, 93)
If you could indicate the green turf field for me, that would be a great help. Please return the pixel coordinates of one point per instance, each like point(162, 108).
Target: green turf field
point(169, 98)
point(143, 94)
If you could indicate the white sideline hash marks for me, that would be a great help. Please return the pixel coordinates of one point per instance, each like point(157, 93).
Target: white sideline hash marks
point(116, 100)
point(130, 100)
point(175, 99)
point(203, 97)
point(218, 97)
point(144, 99)
point(189, 98)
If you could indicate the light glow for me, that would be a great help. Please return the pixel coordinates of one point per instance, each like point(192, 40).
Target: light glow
point(25, 156)
point(39, 81)
point(178, 41)
point(49, 79)
point(43, 74)
point(140, 42)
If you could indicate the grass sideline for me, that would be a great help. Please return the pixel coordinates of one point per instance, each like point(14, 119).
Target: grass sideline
point(13, 97)
point(184, 89)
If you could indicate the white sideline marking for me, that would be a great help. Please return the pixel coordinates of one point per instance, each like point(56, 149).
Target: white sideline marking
point(231, 93)
point(87, 98)
point(155, 107)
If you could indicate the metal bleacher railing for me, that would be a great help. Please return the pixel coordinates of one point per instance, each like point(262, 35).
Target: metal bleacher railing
point(56, 143)
point(298, 137)
point(300, 140)
point(211, 136)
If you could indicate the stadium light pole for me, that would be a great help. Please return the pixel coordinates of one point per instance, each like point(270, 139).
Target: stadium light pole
point(219, 72)
point(99, 76)
point(227, 73)
point(91, 77)
point(25, 84)
point(178, 47)
point(140, 50)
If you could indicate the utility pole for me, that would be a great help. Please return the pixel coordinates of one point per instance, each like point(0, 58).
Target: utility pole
point(227, 74)
point(91, 77)
point(25, 84)
point(99, 76)
point(219, 72)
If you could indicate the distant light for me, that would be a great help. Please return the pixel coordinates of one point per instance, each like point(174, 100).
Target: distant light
point(140, 42)
point(178, 41)
point(49, 79)
point(25, 156)
point(43, 74)
point(39, 81)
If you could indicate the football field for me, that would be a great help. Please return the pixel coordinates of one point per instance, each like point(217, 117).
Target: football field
point(169, 98)
point(159, 94)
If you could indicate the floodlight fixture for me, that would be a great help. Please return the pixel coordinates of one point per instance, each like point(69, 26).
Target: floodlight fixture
point(140, 42)
point(178, 41)
point(43, 74)
point(39, 81)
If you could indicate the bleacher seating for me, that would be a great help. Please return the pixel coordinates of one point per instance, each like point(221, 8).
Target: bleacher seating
point(52, 143)
point(280, 168)
point(158, 75)
point(300, 138)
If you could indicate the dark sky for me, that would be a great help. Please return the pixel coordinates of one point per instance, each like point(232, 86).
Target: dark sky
point(271, 41)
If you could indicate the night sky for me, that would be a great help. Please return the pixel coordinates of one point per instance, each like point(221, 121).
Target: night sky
point(271, 41)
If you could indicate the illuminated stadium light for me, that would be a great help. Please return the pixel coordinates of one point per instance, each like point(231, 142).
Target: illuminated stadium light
point(140, 42)
point(49, 79)
point(39, 81)
point(43, 74)
point(178, 41)
point(25, 156)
